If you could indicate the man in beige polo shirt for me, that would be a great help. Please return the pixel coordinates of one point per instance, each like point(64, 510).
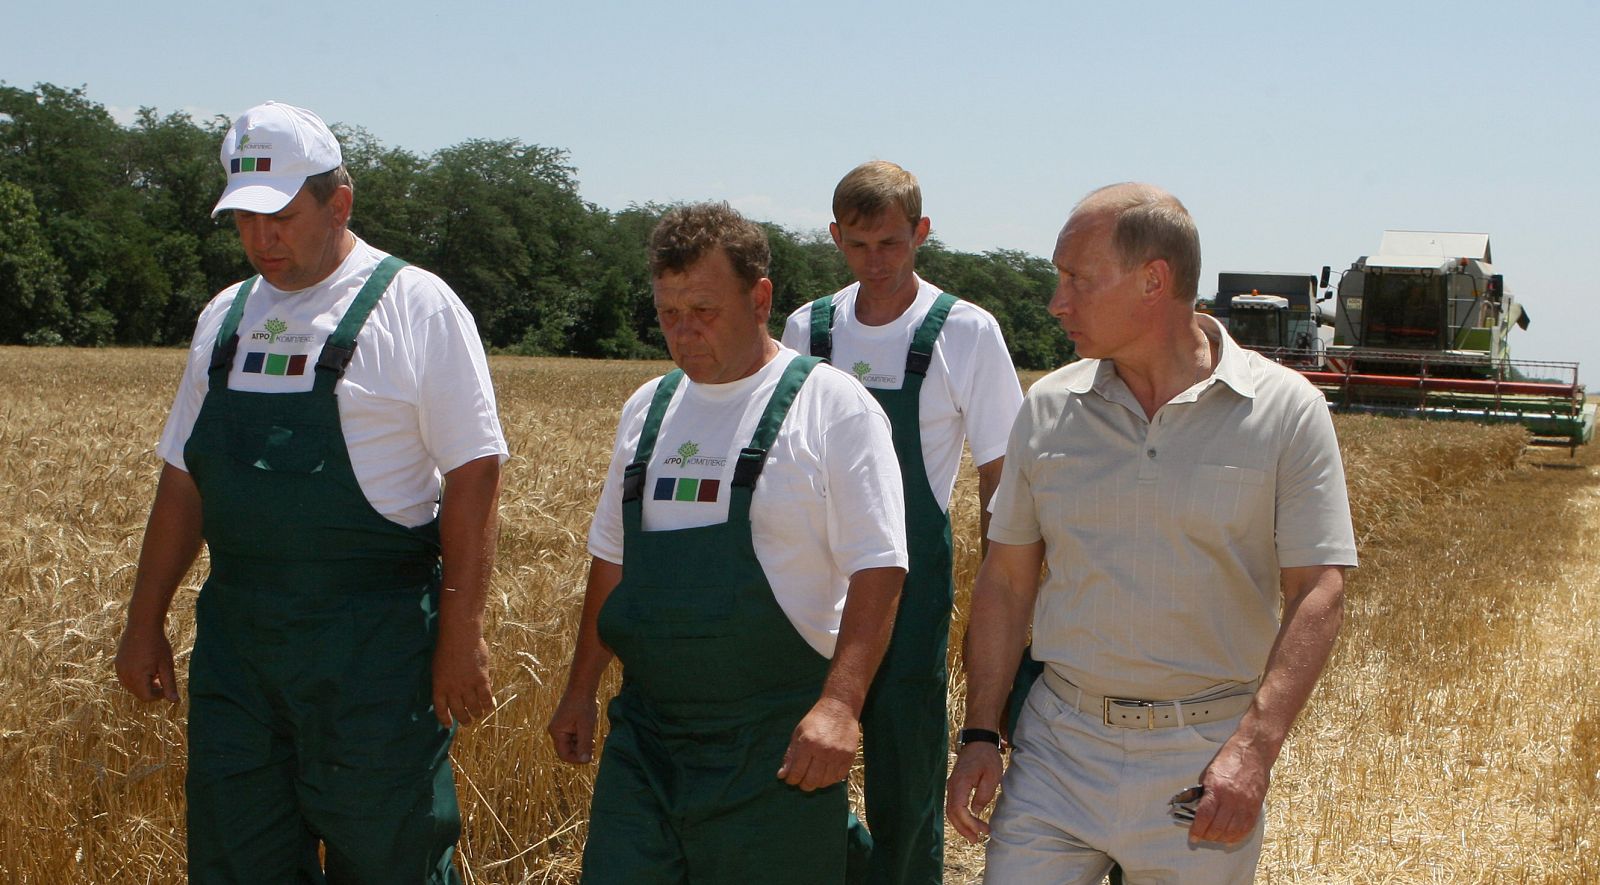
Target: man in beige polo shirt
point(1188, 498)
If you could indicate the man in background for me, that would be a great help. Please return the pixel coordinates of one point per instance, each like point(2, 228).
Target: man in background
point(940, 369)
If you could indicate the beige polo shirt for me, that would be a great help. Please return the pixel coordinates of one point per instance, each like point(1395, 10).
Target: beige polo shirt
point(1164, 537)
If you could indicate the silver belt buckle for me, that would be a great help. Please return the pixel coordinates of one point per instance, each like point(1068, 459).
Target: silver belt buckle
point(1147, 707)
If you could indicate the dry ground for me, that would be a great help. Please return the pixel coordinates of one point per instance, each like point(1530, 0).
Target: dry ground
point(1455, 739)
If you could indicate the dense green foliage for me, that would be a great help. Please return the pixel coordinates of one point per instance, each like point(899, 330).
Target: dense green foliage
point(106, 238)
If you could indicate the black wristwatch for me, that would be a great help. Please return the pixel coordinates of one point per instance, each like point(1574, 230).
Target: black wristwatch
point(980, 736)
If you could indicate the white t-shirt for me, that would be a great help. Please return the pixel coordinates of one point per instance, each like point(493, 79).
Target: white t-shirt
point(415, 402)
point(971, 389)
point(828, 503)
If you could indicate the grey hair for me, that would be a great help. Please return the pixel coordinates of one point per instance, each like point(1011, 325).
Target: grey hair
point(323, 184)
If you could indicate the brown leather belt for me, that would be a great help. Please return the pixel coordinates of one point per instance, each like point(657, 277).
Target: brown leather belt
point(1133, 713)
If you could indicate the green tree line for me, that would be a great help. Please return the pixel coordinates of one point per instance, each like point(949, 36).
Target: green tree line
point(106, 238)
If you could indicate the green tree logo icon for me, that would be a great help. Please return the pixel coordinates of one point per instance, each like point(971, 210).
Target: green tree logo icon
point(688, 450)
point(275, 327)
point(861, 368)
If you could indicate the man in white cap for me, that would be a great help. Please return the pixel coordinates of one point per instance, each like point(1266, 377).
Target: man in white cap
point(333, 436)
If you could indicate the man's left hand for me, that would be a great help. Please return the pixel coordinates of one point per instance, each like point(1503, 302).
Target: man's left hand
point(1236, 786)
point(822, 748)
point(461, 687)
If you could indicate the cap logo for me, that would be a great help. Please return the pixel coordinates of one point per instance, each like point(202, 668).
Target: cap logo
point(268, 153)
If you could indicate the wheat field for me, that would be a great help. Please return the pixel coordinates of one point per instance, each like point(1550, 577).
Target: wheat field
point(1455, 738)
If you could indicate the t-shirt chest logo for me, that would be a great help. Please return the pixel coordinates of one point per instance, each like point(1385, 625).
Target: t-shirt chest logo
point(272, 334)
point(688, 488)
point(864, 374)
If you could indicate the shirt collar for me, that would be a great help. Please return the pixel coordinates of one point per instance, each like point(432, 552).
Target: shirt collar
point(1233, 367)
point(1233, 362)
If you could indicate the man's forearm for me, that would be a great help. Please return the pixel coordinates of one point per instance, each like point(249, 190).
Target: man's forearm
point(590, 656)
point(864, 631)
point(988, 481)
point(1002, 604)
point(1313, 613)
point(468, 525)
point(172, 538)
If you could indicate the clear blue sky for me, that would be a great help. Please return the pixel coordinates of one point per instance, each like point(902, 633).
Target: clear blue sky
point(1296, 133)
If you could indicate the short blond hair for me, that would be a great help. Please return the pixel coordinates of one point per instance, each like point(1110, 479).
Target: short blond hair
point(875, 187)
point(1148, 223)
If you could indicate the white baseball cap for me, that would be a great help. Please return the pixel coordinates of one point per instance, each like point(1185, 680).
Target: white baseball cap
point(269, 152)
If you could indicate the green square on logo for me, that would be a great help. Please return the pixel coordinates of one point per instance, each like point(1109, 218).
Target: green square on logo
point(248, 164)
point(277, 363)
point(687, 489)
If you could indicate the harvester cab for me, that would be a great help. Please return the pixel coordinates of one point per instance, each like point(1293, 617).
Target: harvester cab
point(1260, 322)
point(1421, 329)
point(1277, 314)
point(1427, 293)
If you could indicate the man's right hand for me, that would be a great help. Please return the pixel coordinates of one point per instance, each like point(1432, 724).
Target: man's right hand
point(144, 664)
point(971, 788)
point(572, 727)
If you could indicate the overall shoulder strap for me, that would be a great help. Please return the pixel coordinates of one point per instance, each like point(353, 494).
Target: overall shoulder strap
point(822, 328)
point(227, 344)
point(633, 474)
point(340, 347)
point(754, 456)
point(920, 355)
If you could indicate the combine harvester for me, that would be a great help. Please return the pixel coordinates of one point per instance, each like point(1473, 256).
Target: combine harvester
point(1419, 330)
point(1278, 314)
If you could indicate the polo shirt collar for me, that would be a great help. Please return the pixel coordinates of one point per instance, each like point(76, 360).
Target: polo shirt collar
point(1105, 372)
point(1233, 362)
point(1233, 368)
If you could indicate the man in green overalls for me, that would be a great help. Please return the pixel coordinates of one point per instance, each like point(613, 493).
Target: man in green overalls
point(327, 405)
point(748, 552)
point(940, 369)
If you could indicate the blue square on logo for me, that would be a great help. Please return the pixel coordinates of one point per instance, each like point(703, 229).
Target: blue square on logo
point(664, 488)
point(253, 361)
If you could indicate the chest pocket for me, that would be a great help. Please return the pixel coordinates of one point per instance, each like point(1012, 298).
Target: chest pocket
point(278, 448)
point(1224, 495)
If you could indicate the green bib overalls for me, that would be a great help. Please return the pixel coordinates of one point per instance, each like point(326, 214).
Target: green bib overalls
point(310, 707)
point(905, 731)
point(714, 680)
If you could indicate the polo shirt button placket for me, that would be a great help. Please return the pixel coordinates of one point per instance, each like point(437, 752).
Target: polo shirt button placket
point(1151, 465)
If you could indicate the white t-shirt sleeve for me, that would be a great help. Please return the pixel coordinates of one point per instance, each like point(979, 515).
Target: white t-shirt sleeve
point(991, 394)
point(605, 530)
point(456, 409)
point(192, 386)
point(866, 506)
point(797, 331)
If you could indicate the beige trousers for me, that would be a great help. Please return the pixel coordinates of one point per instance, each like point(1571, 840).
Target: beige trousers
point(1080, 795)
